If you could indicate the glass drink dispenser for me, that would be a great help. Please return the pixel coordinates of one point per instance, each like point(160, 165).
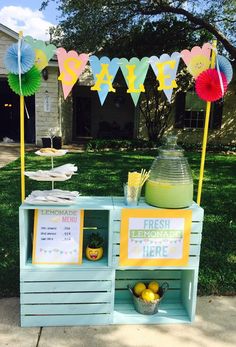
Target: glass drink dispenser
point(170, 184)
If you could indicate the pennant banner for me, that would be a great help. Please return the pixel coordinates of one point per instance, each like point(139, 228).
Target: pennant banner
point(36, 53)
point(198, 59)
point(165, 69)
point(71, 65)
point(104, 71)
point(43, 52)
point(134, 72)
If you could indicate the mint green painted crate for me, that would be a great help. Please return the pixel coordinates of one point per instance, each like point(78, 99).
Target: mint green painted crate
point(96, 293)
point(66, 297)
point(177, 306)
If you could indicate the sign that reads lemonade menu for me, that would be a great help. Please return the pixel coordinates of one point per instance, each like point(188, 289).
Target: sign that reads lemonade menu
point(58, 236)
point(155, 237)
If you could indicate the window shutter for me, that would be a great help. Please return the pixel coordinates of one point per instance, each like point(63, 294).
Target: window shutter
point(179, 110)
point(216, 114)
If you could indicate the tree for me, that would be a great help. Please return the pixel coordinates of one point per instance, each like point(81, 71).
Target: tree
point(147, 40)
point(92, 24)
point(144, 28)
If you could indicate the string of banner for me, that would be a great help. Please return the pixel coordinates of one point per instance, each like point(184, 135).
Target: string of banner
point(26, 59)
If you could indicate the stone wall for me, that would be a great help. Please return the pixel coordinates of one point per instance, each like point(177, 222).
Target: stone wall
point(66, 111)
point(43, 120)
point(5, 42)
point(46, 120)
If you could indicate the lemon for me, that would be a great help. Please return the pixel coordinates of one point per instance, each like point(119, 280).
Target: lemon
point(138, 288)
point(154, 286)
point(148, 295)
point(157, 296)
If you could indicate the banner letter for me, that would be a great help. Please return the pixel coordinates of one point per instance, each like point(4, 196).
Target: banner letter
point(131, 79)
point(69, 72)
point(162, 77)
point(104, 78)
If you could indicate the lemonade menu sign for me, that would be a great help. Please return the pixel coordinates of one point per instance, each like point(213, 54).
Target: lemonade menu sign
point(58, 236)
point(155, 237)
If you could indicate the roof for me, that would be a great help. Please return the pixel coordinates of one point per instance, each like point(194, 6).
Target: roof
point(15, 36)
point(8, 31)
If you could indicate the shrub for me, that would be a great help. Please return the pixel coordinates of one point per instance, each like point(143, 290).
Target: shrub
point(99, 144)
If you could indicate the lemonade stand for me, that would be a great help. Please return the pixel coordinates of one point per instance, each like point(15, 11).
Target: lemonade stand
point(149, 245)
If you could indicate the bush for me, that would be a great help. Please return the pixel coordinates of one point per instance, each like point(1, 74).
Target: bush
point(211, 147)
point(99, 144)
point(117, 144)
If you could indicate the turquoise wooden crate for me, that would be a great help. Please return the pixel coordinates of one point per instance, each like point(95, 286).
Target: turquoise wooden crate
point(66, 297)
point(195, 237)
point(98, 219)
point(96, 292)
point(178, 305)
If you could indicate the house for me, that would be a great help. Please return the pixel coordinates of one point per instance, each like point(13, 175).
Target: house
point(89, 118)
point(81, 116)
point(39, 121)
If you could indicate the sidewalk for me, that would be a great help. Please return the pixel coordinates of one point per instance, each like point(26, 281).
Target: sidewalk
point(215, 326)
point(11, 151)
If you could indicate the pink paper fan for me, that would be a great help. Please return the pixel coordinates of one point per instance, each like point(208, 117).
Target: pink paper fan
point(208, 85)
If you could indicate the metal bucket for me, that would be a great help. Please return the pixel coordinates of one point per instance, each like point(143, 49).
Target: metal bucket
point(146, 307)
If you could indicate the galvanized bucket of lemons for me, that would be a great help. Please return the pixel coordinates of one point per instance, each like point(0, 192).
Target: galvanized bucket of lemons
point(147, 297)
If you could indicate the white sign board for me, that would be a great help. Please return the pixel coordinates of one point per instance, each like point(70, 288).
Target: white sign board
point(155, 238)
point(58, 237)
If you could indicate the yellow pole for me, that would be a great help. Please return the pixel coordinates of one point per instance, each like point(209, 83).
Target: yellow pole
point(205, 134)
point(22, 141)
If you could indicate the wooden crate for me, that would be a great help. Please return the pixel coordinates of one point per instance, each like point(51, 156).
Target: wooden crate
point(178, 305)
point(96, 293)
point(195, 237)
point(51, 298)
point(96, 215)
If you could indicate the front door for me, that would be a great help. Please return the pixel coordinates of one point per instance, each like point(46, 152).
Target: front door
point(10, 115)
point(82, 117)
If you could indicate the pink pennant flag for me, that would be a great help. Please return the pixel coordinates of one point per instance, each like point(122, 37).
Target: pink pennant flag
point(188, 55)
point(198, 59)
point(71, 66)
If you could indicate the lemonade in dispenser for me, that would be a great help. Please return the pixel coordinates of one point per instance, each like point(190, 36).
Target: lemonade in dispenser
point(170, 183)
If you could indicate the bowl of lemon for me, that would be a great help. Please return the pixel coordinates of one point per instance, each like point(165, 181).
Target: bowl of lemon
point(147, 296)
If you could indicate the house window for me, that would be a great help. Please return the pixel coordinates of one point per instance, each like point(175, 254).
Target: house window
point(190, 112)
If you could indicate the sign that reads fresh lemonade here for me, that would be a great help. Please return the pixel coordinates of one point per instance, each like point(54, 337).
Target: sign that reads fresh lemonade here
point(58, 237)
point(155, 237)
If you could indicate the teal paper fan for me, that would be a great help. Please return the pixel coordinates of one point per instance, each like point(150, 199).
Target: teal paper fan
point(30, 82)
point(225, 67)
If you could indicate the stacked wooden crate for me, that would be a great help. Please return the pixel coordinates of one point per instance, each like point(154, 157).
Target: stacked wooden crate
point(96, 292)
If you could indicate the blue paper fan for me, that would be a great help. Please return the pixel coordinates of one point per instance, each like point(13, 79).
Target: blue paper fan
point(225, 67)
point(27, 58)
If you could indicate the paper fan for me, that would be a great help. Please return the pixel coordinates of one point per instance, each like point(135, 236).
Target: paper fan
point(208, 85)
point(27, 58)
point(225, 67)
point(30, 82)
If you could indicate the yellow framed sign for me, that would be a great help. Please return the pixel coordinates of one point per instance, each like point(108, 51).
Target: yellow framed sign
point(155, 237)
point(58, 236)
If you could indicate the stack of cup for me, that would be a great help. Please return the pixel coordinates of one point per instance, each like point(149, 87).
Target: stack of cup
point(132, 189)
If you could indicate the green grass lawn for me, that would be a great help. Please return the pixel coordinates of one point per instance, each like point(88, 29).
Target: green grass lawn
point(103, 173)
